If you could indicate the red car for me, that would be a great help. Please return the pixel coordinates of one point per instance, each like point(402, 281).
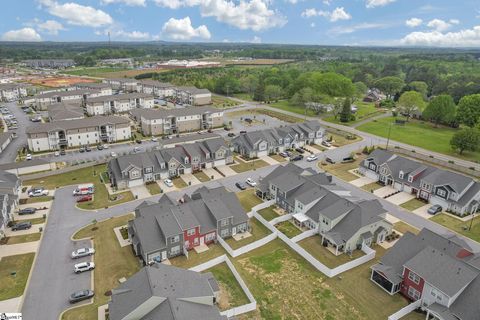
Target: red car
point(85, 198)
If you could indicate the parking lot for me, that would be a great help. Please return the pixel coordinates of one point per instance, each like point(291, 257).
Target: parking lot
point(18, 121)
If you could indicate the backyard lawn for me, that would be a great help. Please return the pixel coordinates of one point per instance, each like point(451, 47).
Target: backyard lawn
point(413, 204)
point(288, 229)
point(243, 166)
point(153, 188)
point(462, 227)
point(372, 186)
point(91, 174)
point(434, 139)
point(231, 293)
point(314, 246)
point(22, 239)
point(194, 259)
point(403, 227)
point(14, 285)
point(340, 170)
point(268, 213)
point(201, 176)
point(112, 262)
point(258, 231)
point(248, 199)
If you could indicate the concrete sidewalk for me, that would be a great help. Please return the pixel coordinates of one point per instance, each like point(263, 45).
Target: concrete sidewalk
point(190, 179)
point(270, 160)
point(360, 182)
point(212, 172)
point(19, 248)
point(11, 305)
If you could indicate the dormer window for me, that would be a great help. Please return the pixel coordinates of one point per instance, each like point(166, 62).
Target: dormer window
point(280, 141)
point(400, 174)
point(410, 178)
point(186, 160)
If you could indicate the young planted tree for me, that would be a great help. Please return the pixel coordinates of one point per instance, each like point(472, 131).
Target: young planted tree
point(440, 110)
point(410, 102)
point(466, 140)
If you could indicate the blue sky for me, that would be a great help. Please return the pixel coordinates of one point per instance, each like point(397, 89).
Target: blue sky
point(443, 23)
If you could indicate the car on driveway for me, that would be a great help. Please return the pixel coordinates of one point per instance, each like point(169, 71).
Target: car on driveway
point(27, 211)
point(99, 147)
point(240, 186)
point(311, 158)
point(154, 139)
point(82, 252)
point(83, 266)
point(28, 157)
point(436, 208)
point(85, 198)
point(56, 153)
point(82, 149)
point(88, 149)
point(138, 141)
point(326, 144)
point(231, 134)
point(250, 182)
point(78, 296)
point(113, 154)
point(284, 154)
point(168, 183)
point(297, 158)
point(63, 152)
point(136, 150)
point(300, 150)
point(22, 226)
point(329, 160)
point(37, 192)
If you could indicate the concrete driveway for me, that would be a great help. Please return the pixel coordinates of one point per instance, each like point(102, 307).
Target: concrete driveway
point(11, 305)
point(19, 248)
point(190, 179)
point(226, 170)
point(270, 160)
point(212, 172)
point(400, 198)
point(422, 212)
point(360, 182)
point(384, 191)
point(140, 192)
point(34, 229)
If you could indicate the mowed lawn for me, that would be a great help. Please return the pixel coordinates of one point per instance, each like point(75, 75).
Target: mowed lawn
point(92, 174)
point(418, 133)
point(112, 262)
point(462, 227)
point(243, 166)
point(313, 245)
point(365, 111)
point(268, 213)
point(288, 229)
point(13, 285)
point(248, 199)
point(257, 230)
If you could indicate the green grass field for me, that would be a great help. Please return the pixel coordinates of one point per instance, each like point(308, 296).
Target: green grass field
point(258, 231)
point(248, 199)
point(462, 227)
point(153, 188)
point(93, 72)
point(288, 229)
point(30, 237)
point(247, 166)
point(420, 134)
point(287, 106)
point(365, 111)
point(268, 213)
point(413, 204)
point(14, 285)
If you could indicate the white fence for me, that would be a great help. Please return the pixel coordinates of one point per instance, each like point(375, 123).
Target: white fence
point(304, 235)
point(405, 310)
point(246, 248)
point(260, 206)
point(369, 255)
point(251, 306)
point(285, 217)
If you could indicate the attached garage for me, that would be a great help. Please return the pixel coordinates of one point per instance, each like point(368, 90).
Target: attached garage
point(220, 162)
point(407, 189)
point(262, 153)
point(135, 183)
point(397, 186)
point(370, 174)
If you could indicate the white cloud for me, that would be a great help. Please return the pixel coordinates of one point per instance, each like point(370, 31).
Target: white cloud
point(132, 3)
point(357, 27)
point(337, 14)
point(256, 39)
point(413, 22)
point(377, 3)
point(182, 29)
point(50, 26)
point(24, 34)
point(327, 2)
point(244, 14)
point(454, 21)
point(439, 25)
point(462, 38)
point(77, 14)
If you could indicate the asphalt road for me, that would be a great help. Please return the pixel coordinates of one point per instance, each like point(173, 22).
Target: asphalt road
point(10, 153)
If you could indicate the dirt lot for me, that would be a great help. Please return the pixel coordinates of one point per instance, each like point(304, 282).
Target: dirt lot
point(57, 82)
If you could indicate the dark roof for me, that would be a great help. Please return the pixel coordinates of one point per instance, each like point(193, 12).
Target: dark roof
point(76, 124)
point(161, 113)
point(119, 97)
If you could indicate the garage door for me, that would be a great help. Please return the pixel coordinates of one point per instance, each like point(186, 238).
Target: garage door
point(371, 175)
point(407, 189)
point(136, 182)
point(397, 186)
point(220, 162)
point(262, 153)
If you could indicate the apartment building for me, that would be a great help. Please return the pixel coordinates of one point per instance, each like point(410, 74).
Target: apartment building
point(9, 190)
point(123, 84)
point(13, 91)
point(105, 88)
point(118, 103)
point(157, 88)
point(454, 192)
point(74, 133)
point(65, 111)
point(167, 121)
point(43, 100)
point(192, 96)
point(49, 63)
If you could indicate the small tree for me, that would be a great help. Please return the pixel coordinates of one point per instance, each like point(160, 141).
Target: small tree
point(346, 113)
point(466, 140)
point(440, 109)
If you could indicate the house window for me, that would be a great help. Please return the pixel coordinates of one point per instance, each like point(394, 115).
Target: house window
point(413, 293)
point(175, 239)
point(442, 193)
point(175, 250)
point(414, 277)
point(384, 171)
point(372, 166)
point(400, 175)
point(191, 232)
point(210, 236)
point(224, 233)
point(436, 294)
point(186, 160)
point(410, 178)
point(224, 223)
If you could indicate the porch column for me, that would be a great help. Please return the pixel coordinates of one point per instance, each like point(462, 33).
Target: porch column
point(336, 250)
point(428, 315)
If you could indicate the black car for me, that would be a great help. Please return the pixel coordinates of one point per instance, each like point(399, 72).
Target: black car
point(300, 150)
point(63, 152)
point(231, 134)
point(243, 132)
point(240, 186)
point(27, 211)
point(87, 148)
point(138, 141)
point(22, 226)
point(81, 295)
point(297, 158)
point(99, 147)
point(329, 160)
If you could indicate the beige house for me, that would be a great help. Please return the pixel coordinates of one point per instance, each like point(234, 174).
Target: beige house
point(156, 88)
point(162, 121)
point(124, 84)
point(193, 96)
point(74, 133)
point(43, 100)
point(105, 88)
point(118, 103)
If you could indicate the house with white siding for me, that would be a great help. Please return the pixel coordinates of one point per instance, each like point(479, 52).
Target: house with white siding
point(118, 103)
point(13, 91)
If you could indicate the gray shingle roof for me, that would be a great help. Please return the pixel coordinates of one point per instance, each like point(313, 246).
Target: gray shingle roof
point(76, 124)
point(161, 113)
point(120, 97)
point(67, 93)
point(62, 111)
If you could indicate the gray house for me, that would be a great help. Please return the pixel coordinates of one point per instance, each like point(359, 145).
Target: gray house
point(442, 272)
point(344, 222)
point(261, 143)
point(168, 293)
point(167, 229)
point(454, 192)
point(9, 189)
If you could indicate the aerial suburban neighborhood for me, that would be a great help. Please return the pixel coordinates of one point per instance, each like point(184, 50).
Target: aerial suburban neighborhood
point(242, 160)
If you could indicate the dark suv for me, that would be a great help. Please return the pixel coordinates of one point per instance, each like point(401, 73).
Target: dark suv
point(22, 226)
point(27, 211)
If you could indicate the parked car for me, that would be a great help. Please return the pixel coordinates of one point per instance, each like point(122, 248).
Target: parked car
point(88, 149)
point(329, 160)
point(106, 146)
point(136, 150)
point(209, 130)
point(56, 153)
point(240, 186)
point(436, 208)
point(83, 266)
point(168, 183)
point(285, 154)
point(226, 128)
point(300, 150)
point(113, 154)
point(85, 198)
point(138, 141)
point(99, 147)
point(81, 295)
point(243, 132)
point(82, 252)
point(231, 134)
point(297, 158)
point(82, 149)
point(37, 193)
point(250, 182)
point(326, 144)
point(348, 159)
point(28, 157)
point(154, 139)
point(312, 158)
point(63, 152)
point(22, 226)
point(23, 211)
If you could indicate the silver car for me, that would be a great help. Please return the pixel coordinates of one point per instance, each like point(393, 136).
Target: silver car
point(82, 252)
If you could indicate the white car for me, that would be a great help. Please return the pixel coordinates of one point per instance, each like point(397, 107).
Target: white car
point(312, 158)
point(326, 144)
point(113, 154)
point(168, 183)
point(105, 146)
point(83, 252)
point(154, 139)
point(37, 193)
point(56, 154)
point(136, 149)
point(28, 157)
point(250, 182)
point(83, 266)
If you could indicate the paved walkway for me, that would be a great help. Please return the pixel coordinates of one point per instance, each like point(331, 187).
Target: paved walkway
point(227, 171)
point(384, 191)
point(11, 305)
point(141, 192)
point(190, 179)
point(212, 172)
point(19, 248)
point(400, 198)
point(360, 182)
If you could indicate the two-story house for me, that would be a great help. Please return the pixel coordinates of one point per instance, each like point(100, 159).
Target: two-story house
point(167, 229)
point(454, 192)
